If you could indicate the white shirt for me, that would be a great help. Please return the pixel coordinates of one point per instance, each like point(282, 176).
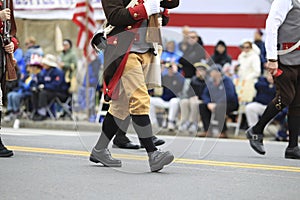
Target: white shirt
point(278, 12)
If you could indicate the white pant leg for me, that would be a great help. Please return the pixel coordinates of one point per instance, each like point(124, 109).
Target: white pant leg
point(184, 110)
point(154, 103)
point(173, 108)
point(253, 111)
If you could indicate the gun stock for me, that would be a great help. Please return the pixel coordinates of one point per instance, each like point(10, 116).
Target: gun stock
point(11, 73)
point(153, 32)
point(8, 29)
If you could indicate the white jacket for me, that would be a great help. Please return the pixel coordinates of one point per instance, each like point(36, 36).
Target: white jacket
point(249, 65)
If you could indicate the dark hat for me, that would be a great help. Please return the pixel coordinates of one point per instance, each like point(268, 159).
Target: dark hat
point(201, 65)
point(221, 42)
point(68, 41)
point(260, 32)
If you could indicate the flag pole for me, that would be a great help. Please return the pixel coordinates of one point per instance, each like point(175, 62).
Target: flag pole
point(87, 78)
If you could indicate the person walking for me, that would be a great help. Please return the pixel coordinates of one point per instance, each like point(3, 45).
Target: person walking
point(127, 59)
point(282, 28)
point(6, 48)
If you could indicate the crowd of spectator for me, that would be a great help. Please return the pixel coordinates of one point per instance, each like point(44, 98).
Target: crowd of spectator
point(199, 91)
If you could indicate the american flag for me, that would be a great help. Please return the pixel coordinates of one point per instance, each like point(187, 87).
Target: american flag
point(84, 18)
point(232, 21)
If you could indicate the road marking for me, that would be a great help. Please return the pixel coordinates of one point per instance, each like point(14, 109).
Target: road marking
point(177, 160)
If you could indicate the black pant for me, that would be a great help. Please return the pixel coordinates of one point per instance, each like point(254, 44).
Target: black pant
point(43, 98)
point(221, 111)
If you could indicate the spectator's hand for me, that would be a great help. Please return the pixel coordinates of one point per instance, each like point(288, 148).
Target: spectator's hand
point(152, 7)
point(9, 48)
point(211, 107)
point(5, 14)
point(34, 89)
point(272, 67)
point(41, 86)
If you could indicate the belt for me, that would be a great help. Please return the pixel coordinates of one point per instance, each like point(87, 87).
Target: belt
point(289, 45)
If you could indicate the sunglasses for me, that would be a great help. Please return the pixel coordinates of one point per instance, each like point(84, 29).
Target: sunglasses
point(246, 47)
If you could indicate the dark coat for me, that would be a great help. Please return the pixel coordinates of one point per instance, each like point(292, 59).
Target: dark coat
point(121, 38)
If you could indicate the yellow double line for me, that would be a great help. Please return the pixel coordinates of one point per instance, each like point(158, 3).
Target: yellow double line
point(177, 160)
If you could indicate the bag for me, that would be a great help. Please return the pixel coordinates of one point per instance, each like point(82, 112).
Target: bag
point(73, 85)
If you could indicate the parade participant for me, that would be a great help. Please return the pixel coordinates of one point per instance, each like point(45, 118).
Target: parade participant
point(6, 14)
point(282, 30)
point(126, 62)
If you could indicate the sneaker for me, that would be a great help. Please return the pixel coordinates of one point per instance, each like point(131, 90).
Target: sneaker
point(158, 159)
point(171, 125)
point(103, 156)
point(193, 128)
point(8, 117)
point(4, 152)
point(184, 126)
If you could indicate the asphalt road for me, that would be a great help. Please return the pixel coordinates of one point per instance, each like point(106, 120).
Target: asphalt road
point(54, 165)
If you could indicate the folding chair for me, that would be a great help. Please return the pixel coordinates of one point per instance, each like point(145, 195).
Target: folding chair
point(66, 105)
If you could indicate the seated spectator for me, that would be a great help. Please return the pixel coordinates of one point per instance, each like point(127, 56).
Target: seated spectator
point(51, 84)
point(172, 86)
point(32, 48)
point(189, 106)
point(194, 53)
point(265, 92)
point(249, 62)
point(220, 98)
point(170, 54)
point(24, 89)
point(248, 71)
point(220, 55)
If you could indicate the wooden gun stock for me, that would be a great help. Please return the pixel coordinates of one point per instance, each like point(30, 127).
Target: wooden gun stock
point(11, 73)
point(153, 32)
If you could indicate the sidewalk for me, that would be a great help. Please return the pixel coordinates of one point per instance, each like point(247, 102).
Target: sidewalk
point(83, 125)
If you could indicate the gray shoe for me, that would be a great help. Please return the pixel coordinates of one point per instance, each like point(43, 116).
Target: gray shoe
point(158, 159)
point(103, 156)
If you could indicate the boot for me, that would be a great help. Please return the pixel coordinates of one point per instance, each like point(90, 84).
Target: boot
point(292, 153)
point(158, 159)
point(4, 152)
point(104, 157)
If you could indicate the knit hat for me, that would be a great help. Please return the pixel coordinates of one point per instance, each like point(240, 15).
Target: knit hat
point(35, 60)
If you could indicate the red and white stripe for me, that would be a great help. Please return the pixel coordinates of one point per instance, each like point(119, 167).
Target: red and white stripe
point(229, 20)
point(84, 18)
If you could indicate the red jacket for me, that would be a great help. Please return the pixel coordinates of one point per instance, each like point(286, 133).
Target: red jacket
point(126, 22)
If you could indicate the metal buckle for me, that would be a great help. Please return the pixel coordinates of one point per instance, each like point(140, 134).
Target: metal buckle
point(254, 137)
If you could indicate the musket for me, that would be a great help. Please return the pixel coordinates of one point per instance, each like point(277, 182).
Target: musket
point(9, 62)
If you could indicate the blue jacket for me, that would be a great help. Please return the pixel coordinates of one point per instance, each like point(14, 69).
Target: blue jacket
point(222, 93)
point(265, 91)
point(172, 86)
point(53, 79)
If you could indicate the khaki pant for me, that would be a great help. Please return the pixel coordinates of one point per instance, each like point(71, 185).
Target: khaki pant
point(133, 95)
point(190, 110)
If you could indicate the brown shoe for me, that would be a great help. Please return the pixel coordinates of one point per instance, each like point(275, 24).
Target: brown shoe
point(223, 135)
point(203, 134)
